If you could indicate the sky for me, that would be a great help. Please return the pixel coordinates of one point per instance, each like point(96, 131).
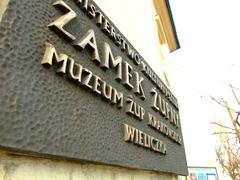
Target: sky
point(208, 32)
point(207, 62)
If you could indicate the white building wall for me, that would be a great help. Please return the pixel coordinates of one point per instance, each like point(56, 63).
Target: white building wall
point(135, 19)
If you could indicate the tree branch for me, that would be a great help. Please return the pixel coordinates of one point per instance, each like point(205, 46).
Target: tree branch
point(222, 126)
point(238, 123)
point(224, 133)
point(234, 94)
point(222, 104)
point(230, 138)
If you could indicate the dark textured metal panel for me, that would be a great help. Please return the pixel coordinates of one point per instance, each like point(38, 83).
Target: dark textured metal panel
point(44, 113)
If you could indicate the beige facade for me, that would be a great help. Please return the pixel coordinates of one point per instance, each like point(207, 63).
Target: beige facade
point(19, 167)
point(3, 7)
point(14, 166)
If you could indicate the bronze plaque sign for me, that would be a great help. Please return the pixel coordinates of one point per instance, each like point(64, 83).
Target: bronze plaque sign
point(72, 86)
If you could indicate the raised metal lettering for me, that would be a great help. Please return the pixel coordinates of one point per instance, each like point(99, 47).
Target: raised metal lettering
point(51, 56)
point(137, 84)
point(146, 141)
point(129, 107)
point(126, 75)
point(106, 27)
point(123, 44)
point(91, 11)
point(154, 101)
point(128, 133)
point(109, 61)
point(59, 23)
point(87, 77)
point(89, 41)
point(99, 18)
point(140, 137)
point(106, 90)
point(117, 98)
point(118, 40)
point(83, 4)
point(75, 70)
point(96, 84)
point(112, 33)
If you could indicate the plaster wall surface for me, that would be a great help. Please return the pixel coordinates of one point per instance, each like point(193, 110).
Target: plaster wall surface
point(18, 167)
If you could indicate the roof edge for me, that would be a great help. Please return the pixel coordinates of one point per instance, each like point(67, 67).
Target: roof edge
point(173, 25)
